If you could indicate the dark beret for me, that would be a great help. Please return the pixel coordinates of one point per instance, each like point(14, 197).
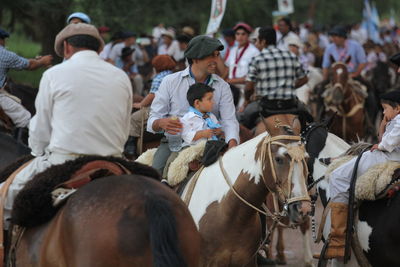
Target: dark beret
point(396, 59)
point(202, 46)
point(338, 31)
point(393, 96)
point(4, 34)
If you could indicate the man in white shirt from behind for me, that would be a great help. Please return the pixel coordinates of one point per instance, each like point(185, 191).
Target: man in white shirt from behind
point(82, 108)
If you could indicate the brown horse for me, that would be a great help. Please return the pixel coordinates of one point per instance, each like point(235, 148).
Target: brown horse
point(341, 98)
point(127, 220)
point(303, 224)
point(226, 197)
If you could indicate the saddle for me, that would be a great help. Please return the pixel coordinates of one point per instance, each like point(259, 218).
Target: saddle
point(380, 181)
point(44, 195)
point(188, 160)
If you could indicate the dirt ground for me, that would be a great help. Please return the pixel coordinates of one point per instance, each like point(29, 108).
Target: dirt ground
point(294, 243)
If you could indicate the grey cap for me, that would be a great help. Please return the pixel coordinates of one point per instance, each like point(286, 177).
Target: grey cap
point(202, 46)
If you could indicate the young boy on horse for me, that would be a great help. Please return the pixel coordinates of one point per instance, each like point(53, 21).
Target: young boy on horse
point(199, 123)
point(388, 149)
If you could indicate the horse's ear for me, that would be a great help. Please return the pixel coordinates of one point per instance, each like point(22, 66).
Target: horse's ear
point(332, 59)
point(328, 122)
point(348, 59)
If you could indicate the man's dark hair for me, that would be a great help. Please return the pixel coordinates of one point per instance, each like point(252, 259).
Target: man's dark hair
point(197, 91)
point(267, 34)
point(391, 103)
point(84, 41)
point(183, 38)
point(287, 22)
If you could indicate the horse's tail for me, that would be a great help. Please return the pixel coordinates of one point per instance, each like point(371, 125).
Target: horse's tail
point(164, 240)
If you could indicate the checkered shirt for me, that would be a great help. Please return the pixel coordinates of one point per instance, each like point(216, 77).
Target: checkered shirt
point(157, 80)
point(10, 60)
point(274, 73)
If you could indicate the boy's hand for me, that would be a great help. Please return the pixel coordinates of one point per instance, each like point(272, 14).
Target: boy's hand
point(375, 147)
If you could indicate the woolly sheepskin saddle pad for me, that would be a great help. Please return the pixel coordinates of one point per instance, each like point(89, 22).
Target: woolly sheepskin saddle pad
point(179, 168)
point(371, 184)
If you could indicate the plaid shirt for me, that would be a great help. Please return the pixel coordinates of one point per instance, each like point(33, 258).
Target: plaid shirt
point(10, 60)
point(274, 73)
point(157, 80)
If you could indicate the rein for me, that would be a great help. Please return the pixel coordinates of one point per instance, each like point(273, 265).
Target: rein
point(345, 115)
point(297, 154)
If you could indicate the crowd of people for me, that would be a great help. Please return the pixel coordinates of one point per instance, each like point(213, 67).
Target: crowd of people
point(179, 82)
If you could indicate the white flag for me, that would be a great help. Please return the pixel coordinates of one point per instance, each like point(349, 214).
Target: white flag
point(286, 6)
point(217, 13)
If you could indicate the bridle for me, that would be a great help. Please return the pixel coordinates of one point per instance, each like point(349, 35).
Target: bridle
point(297, 155)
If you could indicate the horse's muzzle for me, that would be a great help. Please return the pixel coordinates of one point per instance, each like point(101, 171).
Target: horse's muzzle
point(298, 211)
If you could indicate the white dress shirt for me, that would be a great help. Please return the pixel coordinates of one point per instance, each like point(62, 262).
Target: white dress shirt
point(192, 123)
point(83, 107)
point(391, 138)
point(242, 67)
point(281, 41)
point(170, 100)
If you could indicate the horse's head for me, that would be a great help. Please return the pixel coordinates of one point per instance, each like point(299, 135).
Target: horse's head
point(319, 143)
point(340, 76)
point(285, 168)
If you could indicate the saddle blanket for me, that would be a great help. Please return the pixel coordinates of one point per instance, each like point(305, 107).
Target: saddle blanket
point(372, 184)
point(179, 168)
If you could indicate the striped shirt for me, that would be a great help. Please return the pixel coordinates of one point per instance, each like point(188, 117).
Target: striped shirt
point(157, 80)
point(274, 73)
point(10, 60)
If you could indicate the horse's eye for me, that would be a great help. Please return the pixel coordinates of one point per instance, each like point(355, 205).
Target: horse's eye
point(279, 160)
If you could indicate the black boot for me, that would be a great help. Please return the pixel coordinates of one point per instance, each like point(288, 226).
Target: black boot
point(130, 147)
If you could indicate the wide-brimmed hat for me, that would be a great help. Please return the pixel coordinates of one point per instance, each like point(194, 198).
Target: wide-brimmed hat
point(202, 46)
point(243, 26)
point(76, 29)
point(338, 31)
point(395, 59)
point(79, 15)
point(4, 34)
point(168, 33)
point(294, 40)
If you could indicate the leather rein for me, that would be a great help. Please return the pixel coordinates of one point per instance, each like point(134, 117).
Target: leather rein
point(297, 155)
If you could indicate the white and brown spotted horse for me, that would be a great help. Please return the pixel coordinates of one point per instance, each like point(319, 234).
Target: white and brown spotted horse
point(226, 198)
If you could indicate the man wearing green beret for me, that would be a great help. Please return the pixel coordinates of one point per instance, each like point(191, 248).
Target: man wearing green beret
point(170, 101)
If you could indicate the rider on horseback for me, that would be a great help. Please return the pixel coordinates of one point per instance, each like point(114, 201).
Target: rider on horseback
point(9, 60)
point(387, 150)
point(83, 107)
point(170, 100)
point(273, 76)
point(341, 50)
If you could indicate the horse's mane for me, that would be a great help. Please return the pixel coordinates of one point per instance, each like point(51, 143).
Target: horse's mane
point(33, 205)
